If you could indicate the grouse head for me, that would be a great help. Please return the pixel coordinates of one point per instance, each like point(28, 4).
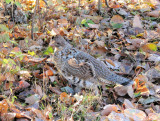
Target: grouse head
point(58, 42)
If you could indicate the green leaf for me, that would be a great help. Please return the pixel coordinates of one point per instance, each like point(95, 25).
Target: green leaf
point(18, 4)
point(50, 115)
point(3, 28)
point(26, 40)
point(5, 61)
point(83, 21)
point(12, 61)
point(14, 42)
point(152, 46)
point(4, 37)
point(116, 25)
point(8, 1)
point(48, 51)
point(90, 21)
point(137, 94)
point(86, 25)
point(32, 53)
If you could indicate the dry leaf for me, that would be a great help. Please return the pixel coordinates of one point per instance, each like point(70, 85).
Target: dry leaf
point(117, 19)
point(130, 91)
point(32, 99)
point(49, 73)
point(113, 116)
point(154, 117)
point(108, 109)
point(120, 90)
point(137, 22)
point(155, 13)
point(110, 62)
point(64, 97)
point(135, 114)
point(55, 90)
point(128, 104)
point(93, 26)
point(3, 106)
point(24, 74)
point(39, 90)
point(140, 85)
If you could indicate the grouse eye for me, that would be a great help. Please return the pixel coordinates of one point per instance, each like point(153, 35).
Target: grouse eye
point(53, 37)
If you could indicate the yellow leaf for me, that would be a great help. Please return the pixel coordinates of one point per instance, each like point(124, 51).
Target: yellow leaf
point(31, 53)
point(152, 46)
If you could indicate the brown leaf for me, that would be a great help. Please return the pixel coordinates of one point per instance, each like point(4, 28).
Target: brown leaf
point(154, 117)
point(24, 74)
point(155, 13)
point(10, 76)
point(39, 90)
point(113, 116)
point(110, 62)
point(117, 19)
point(8, 116)
point(137, 21)
point(55, 90)
point(2, 78)
point(64, 97)
point(49, 73)
point(140, 85)
point(54, 32)
point(3, 106)
point(32, 99)
point(38, 113)
point(151, 34)
point(108, 109)
point(63, 22)
point(128, 104)
point(94, 26)
point(135, 114)
point(130, 91)
point(120, 90)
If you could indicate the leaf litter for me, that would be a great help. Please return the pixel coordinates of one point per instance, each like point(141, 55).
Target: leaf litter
point(123, 35)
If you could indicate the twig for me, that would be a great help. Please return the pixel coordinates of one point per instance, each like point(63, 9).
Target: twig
point(33, 17)
point(106, 2)
point(99, 7)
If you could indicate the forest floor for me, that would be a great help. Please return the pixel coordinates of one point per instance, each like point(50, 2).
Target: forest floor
point(124, 35)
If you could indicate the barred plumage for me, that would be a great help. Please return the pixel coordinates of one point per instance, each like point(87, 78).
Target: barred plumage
point(80, 68)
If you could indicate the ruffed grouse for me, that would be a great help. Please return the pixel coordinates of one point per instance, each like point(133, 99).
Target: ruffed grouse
point(80, 68)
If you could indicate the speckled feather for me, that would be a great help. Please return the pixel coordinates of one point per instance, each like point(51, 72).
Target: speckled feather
point(80, 68)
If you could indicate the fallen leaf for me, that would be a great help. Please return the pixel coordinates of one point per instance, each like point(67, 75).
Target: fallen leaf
point(24, 74)
point(137, 22)
point(120, 90)
point(128, 104)
point(113, 116)
point(110, 62)
point(155, 13)
point(64, 97)
point(39, 90)
point(108, 109)
point(4, 106)
point(117, 19)
point(154, 117)
point(93, 26)
point(32, 99)
point(140, 85)
point(49, 73)
point(135, 114)
point(55, 90)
